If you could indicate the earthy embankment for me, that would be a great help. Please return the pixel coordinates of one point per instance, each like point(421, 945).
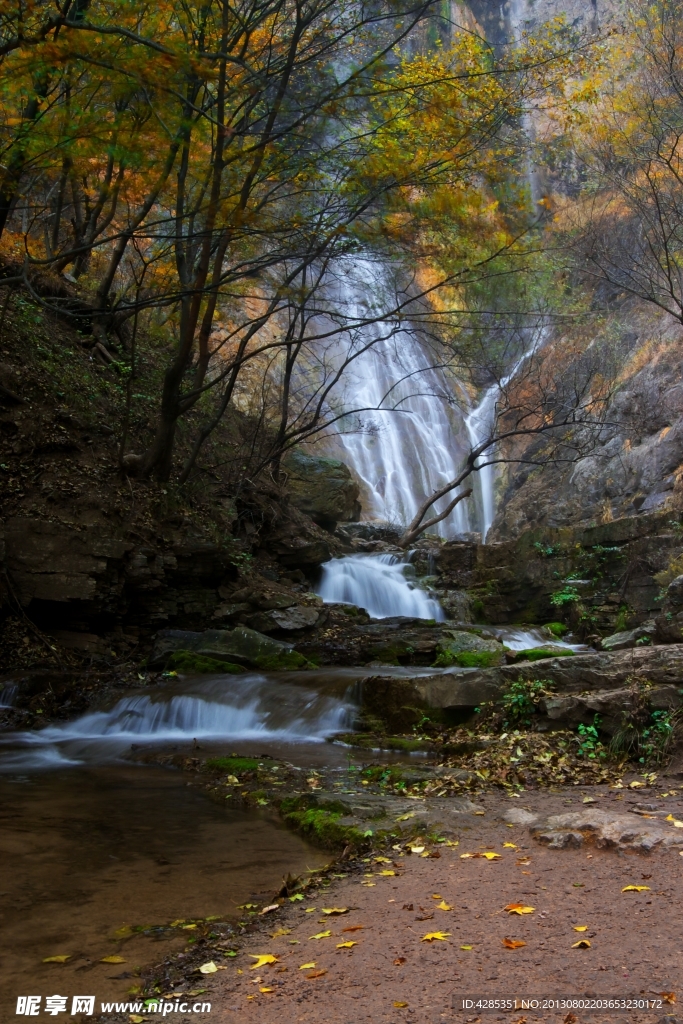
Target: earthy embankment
point(370, 959)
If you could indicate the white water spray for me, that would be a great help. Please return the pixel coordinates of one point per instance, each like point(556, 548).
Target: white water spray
point(411, 438)
point(378, 584)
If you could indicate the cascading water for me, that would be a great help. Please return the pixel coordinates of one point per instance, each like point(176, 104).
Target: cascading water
point(378, 584)
point(250, 706)
point(408, 437)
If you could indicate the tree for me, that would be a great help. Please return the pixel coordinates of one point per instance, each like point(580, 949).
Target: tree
point(551, 409)
point(630, 223)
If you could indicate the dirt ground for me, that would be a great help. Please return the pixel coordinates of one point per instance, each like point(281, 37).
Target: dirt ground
point(391, 974)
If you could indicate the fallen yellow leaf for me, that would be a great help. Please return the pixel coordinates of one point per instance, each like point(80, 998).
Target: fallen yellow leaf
point(310, 910)
point(320, 935)
point(443, 906)
point(370, 885)
point(386, 873)
point(135, 1019)
point(518, 908)
point(346, 945)
point(399, 1005)
point(211, 968)
point(112, 960)
point(430, 936)
point(354, 928)
point(404, 817)
point(280, 931)
point(61, 959)
point(466, 856)
point(416, 849)
point(580, 927)
point(513, 943)
point(466, 947)
point(335, 910)
point(437, 896)
point(308, 967)
point(263, 989)
point(450, 842)
point(262, 959)
point(382, 860)
point(490, 855)
point(668, 997)
point(510, 846)
point(317, 974)
point(636, 888)
point(581, 944)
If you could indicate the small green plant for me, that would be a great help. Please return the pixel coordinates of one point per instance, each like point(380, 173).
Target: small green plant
point(521, 700)
point(589, 740)
point(648, 743)
point(546, 550)
point(567, 595)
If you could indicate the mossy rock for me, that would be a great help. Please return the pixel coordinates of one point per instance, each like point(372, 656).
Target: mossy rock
point(283, 661)
point(557, 628)
point(321, 824)
point(468, 650)
point(188, 661)
point(539, 653)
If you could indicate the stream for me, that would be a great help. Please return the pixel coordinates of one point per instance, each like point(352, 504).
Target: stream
point(93, 842)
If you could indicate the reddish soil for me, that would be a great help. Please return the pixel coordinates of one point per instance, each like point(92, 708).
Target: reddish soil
point(636, 938)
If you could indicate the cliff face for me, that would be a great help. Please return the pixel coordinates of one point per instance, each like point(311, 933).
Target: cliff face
point(637, 465)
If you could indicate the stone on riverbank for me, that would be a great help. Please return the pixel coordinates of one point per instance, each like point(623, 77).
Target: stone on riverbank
point(241, 645)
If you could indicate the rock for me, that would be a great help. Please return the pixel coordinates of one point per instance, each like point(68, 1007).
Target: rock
point(559, 840)
point(456, 605)
point(241, 645)
point(606, 670)
point(586, 676)
point(468, 650)
point(630, 637)
point(293, 618)
point(375, 531)
point(613, 706)
point(305, 556)
point(674, 592)
point(519, 816)
point(608, 829)
point(322, 488)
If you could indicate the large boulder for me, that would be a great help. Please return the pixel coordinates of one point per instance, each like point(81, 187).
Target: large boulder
point(322, 488)
point(241, 646)
point(641, 636)
point(458, 647)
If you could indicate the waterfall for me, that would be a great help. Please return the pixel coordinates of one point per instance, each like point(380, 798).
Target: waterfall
point(412, 439)
point(378, 584)
point(250, 706)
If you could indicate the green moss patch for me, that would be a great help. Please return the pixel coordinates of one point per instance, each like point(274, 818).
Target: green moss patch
point(557, 628)
point(538, 653)
point(188, 661)
point(468, 659)
point(286, 661)
point(321, 824)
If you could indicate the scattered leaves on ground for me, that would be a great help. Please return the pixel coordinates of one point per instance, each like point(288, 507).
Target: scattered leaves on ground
point(518, 908)
point(431, 936)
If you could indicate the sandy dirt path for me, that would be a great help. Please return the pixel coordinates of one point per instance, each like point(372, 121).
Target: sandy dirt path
point(391, 974)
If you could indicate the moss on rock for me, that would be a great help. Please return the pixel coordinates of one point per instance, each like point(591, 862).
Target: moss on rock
point(188, 661)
